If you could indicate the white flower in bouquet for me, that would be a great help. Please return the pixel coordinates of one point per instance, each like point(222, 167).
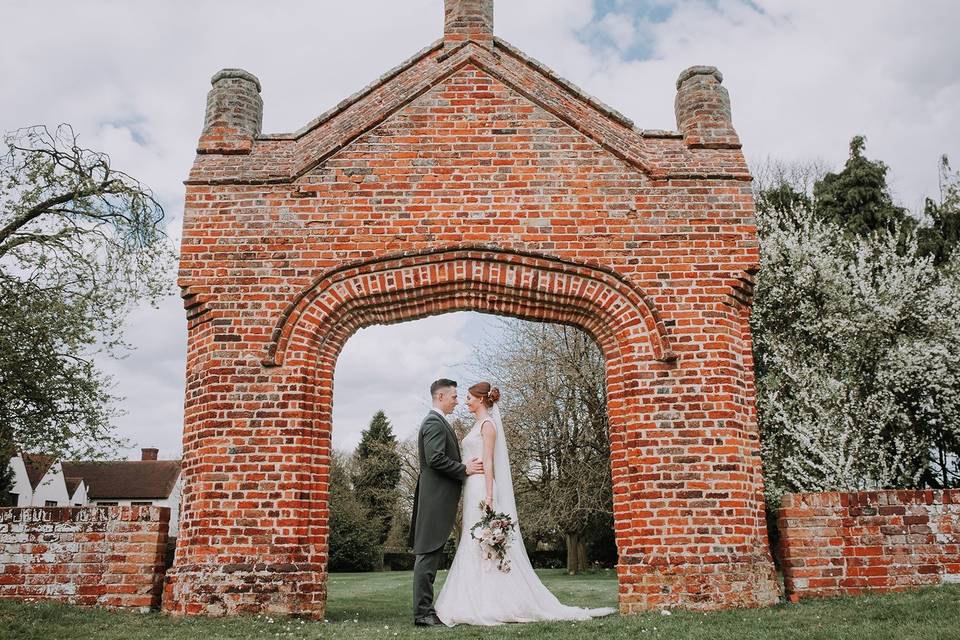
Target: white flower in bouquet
point(494, 536)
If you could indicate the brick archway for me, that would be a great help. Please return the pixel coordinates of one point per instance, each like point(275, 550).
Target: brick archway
point(372, 213)
point(317, 323)
point(414, 285)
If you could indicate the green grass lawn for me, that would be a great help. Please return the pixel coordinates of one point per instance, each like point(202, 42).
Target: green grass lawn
point(378, 606)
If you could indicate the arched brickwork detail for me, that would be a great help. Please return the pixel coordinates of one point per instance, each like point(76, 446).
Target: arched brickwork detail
point(410, 286)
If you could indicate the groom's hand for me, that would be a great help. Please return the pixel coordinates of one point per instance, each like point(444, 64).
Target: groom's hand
point(474, 466)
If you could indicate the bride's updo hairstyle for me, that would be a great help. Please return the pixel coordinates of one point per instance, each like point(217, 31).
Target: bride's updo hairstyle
point(485, 392)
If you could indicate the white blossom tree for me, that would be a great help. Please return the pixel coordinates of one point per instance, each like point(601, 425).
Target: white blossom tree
point(857, 344)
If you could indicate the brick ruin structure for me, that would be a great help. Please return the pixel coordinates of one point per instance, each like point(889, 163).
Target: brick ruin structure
point(112, 557)
point(470, 177)
point(847, 543)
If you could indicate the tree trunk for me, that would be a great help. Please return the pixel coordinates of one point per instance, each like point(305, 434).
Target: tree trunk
point(943, 465)
point(576, 553)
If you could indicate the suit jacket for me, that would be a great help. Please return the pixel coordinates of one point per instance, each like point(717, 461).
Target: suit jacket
point(438, 486)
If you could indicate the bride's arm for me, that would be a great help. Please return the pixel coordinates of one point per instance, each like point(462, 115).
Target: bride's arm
point(489, 433)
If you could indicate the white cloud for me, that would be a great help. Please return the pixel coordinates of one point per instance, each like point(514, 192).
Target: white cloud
point(620, 29)
point(132, 78)
point(151, 379)
point(804, 80)
point(391, 368)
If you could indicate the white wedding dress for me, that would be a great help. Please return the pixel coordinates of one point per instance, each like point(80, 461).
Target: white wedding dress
point(475, 591)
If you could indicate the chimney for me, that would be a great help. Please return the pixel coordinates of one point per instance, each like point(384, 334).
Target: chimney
point(149, 453)
point(468, 20)
point(234, 113)
point(703, 110)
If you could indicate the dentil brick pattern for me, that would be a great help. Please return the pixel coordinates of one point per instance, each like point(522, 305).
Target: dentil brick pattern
point(469, 178)
point(847, 543)
point(106, 556)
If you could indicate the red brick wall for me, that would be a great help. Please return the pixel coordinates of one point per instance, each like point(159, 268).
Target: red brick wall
point(469, 178)
point(105, 556)
point(846, 543)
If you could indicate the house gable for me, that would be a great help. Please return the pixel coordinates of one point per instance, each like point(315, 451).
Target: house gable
point(282, 158)
point(36, 466)
point(52, 487)
point(22, 487)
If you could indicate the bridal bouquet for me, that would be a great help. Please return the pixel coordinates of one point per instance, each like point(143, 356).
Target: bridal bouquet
point(492, 532)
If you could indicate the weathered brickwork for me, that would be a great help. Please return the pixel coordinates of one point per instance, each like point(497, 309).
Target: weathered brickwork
point(846, 543)
point(105, 556)
point(469, 178)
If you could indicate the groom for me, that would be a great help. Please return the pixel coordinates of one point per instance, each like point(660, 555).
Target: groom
point(438, 493)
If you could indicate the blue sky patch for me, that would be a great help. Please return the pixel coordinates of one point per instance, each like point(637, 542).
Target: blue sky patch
point(136, 125)
point(638, 12)
point(640, 15)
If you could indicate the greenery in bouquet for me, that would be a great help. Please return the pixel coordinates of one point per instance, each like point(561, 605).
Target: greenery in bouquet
point(493, 533)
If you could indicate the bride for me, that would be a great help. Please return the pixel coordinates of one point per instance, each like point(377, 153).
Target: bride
point(476, 592)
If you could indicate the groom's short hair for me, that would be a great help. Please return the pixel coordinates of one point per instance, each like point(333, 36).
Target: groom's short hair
point(442, 383)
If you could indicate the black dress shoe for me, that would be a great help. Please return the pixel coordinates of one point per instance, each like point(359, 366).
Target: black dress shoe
point(428, 621)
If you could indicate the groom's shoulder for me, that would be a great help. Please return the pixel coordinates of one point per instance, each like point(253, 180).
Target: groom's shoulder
point(432, 417)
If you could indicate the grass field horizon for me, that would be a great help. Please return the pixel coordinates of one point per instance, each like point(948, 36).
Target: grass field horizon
point(377, 605)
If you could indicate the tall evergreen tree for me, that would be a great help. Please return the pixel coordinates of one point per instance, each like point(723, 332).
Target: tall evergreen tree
point(941, 236)
point(857, 198)
point(353, 544)
point(377, 473)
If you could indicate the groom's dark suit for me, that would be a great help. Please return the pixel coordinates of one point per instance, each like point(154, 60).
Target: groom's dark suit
point(434, 505)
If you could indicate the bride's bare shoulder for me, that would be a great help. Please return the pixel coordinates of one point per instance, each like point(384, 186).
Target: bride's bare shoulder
point(488, 420)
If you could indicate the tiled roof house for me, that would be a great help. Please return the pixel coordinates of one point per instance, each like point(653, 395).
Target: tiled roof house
point(40, 481)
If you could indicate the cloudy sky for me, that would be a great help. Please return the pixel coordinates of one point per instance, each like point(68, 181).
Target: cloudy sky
point(131, 77)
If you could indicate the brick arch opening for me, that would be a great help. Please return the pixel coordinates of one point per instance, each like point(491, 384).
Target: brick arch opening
point(315, 326)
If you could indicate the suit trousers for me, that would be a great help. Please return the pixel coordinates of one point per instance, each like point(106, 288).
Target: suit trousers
point(424, 573)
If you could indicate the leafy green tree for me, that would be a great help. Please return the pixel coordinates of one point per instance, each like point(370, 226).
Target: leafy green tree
point(377, 474)
point(786, 188)
point(783, 198)
point(51, 398)
point(6, 482)
point(353, 544)
point(553, 383)
point(857, 198)
point(81, 244)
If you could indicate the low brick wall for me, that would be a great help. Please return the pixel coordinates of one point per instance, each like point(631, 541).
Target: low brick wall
point(105, 556)
point(847, 543)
